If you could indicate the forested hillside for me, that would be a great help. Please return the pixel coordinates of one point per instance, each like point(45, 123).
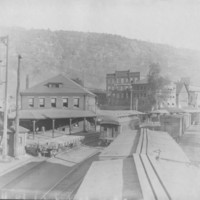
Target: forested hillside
point(90, 56)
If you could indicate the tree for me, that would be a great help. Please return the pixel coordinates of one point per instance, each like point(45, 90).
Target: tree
point(157, 92)
point(79, 81)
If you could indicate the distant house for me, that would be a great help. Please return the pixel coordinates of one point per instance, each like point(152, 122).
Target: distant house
point(194, 96)
point(182, 95)
point(55, 103)
point(169, 95)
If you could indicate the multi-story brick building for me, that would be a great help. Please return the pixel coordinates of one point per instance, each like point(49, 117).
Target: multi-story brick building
point(124, 87)
point(139, 93)
point(118, 86)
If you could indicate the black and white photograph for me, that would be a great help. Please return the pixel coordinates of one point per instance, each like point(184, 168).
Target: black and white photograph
point(100, 99)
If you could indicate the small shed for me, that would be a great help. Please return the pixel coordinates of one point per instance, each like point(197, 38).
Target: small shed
point(187, 120)
point(173, 124)
point(195, 118)
point(195, 114)
point(22, 136)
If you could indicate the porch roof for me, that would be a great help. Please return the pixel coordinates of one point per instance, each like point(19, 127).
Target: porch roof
point(51, 113)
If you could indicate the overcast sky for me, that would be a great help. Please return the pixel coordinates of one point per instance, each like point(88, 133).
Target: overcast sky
point(174, 22)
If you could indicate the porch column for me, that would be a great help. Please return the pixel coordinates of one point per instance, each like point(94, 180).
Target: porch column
point(95, 123)
point(34, 129)
point(70, 126)
point(84, 124)
point(53, 127)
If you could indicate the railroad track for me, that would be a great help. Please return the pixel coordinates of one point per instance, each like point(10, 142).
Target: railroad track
point(151, 181)
point(63, 188)
point(8, 188)
point(60, 188)
point(21, 176)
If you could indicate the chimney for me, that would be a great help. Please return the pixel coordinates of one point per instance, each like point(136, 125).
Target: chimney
point(27, 81)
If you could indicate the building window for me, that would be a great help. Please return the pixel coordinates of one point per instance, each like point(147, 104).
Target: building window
point(20, 141)
point(53, 102)
point(65, 102)
point(55, 85)
point(31, 102)
point(76, 102)
point(41, 102)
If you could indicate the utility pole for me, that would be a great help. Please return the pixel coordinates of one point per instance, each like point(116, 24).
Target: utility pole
point(83, 74)
point(131, 100)
point(17, 108)
point(5, 41)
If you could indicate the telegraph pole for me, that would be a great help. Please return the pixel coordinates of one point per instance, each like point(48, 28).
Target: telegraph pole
point(131, 100)
point(5, 41)
point(17, 108)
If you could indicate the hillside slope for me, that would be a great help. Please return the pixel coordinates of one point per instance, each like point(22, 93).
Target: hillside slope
point(90, 56)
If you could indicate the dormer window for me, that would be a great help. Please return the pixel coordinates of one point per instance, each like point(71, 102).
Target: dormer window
point(54, 85)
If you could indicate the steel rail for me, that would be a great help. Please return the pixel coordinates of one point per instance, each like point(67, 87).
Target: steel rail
point(66, 175)
point(16, 180)
point(145, 170)
point(156, 173)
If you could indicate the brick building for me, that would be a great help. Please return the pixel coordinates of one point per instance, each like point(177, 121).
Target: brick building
point(55, 103)
point(101, 98)
point(58, 92)
point(118, 86)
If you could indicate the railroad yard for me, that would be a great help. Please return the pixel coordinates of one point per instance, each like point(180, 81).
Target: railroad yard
point(48, 178)
point(139, 166)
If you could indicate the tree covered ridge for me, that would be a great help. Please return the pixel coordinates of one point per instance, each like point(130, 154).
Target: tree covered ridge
point(90, 56)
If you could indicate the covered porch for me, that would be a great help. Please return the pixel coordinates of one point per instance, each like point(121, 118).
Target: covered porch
point(55, 122)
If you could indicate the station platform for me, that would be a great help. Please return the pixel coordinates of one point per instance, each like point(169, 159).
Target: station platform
point(121, 147)
point(110, 179)
point(190, 143)
point(158, 169)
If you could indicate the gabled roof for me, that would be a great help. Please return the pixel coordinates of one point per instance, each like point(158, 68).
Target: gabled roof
point(174, 110)
point(193, 88)
point(179, 87)
point(97, 90)
point(21, 129)
point(68, 86)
